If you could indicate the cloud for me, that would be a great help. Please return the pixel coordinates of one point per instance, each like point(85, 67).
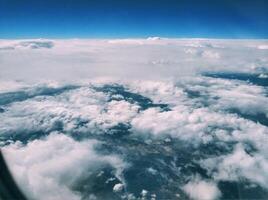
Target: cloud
point(27, 44)
point(262, 47)
point(118, 187)
point(252, 99)
point(209, 54)
point(36, 44)
point(153, 38)
point(11, 85)
point(75, 109)
point(239, 164)
point(201, 189)
point(169, 109)
point(264, 76)
point(125, 110)
point(78, 59)
point(222, 94)
point(150, 103)
point(126, 42)
point(7, 48)
point(48, 168)
point(187, 118)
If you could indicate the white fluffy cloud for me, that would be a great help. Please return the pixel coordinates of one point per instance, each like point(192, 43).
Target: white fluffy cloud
point(263, 46)
point(239, 164)
point(201, 189)
point(84, 104)
point(47, 86)
point(47, 168)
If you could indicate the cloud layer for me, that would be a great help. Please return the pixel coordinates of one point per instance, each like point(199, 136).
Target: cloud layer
point(131, 58)
point(171, 119)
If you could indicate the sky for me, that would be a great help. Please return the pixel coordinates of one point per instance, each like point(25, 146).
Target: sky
point(132, 19)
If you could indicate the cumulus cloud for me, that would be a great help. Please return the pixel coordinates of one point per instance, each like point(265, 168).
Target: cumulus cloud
point(201, 189)
point(94, 109)
point(118, 187)
point(155, 108)
point(252, 99)
point(239, 164)
point(84, 109)
point(47, 168)
point(67, 112)
point(222, 94)
point(186, 124)
point(209, 54)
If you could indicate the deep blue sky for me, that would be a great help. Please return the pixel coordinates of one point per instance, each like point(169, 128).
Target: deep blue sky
point(133, 18)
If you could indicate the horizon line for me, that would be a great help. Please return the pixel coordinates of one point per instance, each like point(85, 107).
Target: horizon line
point(122, 38)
